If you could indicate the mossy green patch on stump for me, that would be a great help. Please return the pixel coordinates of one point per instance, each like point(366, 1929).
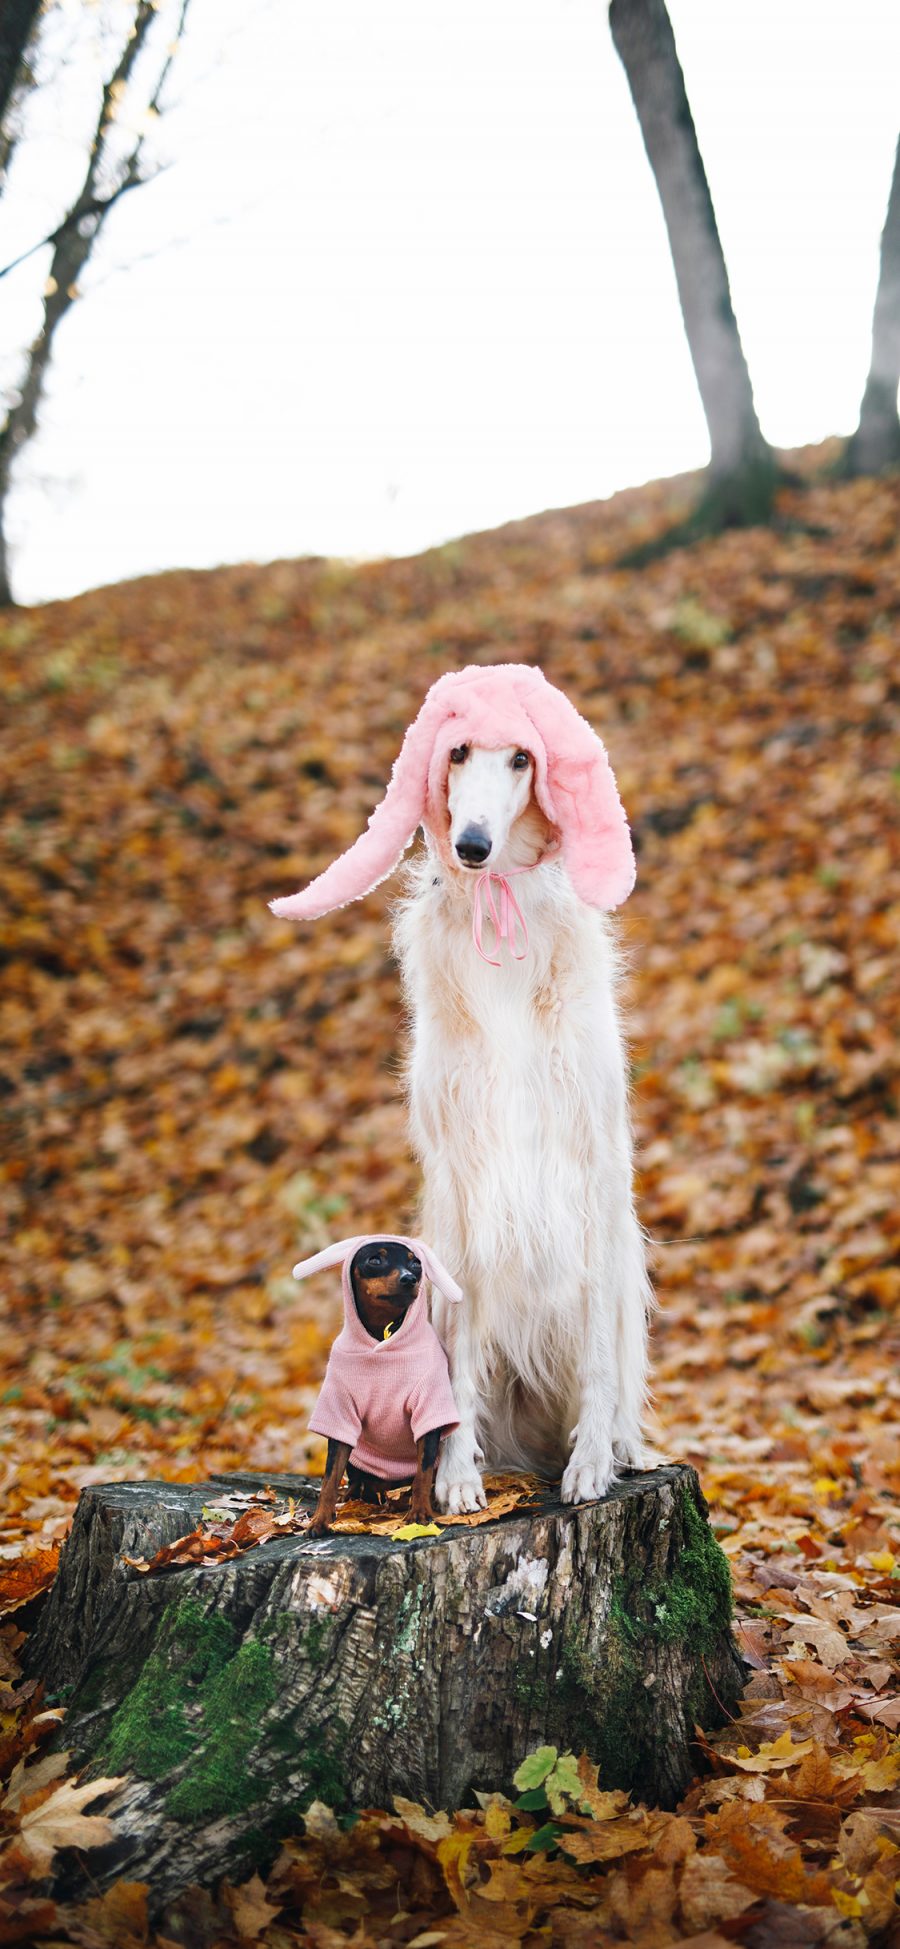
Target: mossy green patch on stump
point(606, 1705)
point(197, 1710)
point(200, 1699)
point(150, 1732)
point(217, 1781)
point(695, 1605)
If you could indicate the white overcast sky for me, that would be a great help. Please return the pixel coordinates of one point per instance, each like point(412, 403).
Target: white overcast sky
point(406, 275)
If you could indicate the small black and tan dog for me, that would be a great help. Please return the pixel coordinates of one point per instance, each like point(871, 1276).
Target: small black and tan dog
point(385, 1277)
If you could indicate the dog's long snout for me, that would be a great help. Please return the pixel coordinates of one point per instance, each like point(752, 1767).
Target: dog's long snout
point(473, 846)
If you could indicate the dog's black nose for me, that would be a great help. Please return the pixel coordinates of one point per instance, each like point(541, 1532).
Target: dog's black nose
point(473, 846)
point(408, 1278)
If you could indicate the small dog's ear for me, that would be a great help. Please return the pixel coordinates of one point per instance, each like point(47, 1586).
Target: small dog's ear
point(437, 1273)
point(335, 1254)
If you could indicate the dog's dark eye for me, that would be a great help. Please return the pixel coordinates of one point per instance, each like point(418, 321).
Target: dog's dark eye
point(521, 761)
point(459, 754)
point(415, 1267)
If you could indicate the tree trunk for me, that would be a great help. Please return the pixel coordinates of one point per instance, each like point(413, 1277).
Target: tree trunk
point(18, 19)
point(875, 445)
point(73, 241)
point(69, 257)
point(742, 467)
point(358, 1667)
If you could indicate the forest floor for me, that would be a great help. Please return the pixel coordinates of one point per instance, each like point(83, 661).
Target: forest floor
point(193, 1093)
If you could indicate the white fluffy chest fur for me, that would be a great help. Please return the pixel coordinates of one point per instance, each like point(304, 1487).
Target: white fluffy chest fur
point(518, 1112)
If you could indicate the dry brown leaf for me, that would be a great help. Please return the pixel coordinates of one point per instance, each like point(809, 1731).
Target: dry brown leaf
point(118, 1917)
point(760, 1856)
point(28, 1780)
point(250, 1908)
point(26, 1577)
point(59, 1822)
point(428, 1827)
point(605, 1840)
point(817, 1779)
point(709, 1892)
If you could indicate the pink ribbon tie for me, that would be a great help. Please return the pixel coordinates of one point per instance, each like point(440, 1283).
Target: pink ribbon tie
point(508, 922)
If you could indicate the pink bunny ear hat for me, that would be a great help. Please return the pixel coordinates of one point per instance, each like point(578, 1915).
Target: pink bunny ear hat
point(343, 1249)
point(490, 705)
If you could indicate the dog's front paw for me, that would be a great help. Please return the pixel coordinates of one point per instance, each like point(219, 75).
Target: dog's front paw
point(458, 1486)
point(460, 1498)
point(629, 1451)
point(588, 1478)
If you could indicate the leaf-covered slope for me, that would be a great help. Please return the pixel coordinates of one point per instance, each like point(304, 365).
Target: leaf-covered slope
point(192, 1091)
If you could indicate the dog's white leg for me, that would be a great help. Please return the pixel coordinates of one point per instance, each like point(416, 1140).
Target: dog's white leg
point(634, 1303)
point(592, 1466)
point(458, 1485)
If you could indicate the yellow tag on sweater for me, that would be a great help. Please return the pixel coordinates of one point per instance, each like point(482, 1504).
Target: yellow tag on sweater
point(388, 1330)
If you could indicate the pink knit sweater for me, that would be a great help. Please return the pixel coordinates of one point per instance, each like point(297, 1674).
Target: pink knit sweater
point(381, 1395)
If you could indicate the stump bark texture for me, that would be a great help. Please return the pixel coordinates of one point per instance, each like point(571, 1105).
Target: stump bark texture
point(358, 1667)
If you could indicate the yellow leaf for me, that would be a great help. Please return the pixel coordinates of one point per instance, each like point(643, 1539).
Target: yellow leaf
point(497, 1819)
point(846, 1904)
point(518, 1840)
point(408, 1532)
point(879, 1776)
point(453, 1854)
point(772, 1754)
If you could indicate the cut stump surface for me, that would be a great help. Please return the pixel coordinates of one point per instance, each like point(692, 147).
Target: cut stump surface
point(358, 1667)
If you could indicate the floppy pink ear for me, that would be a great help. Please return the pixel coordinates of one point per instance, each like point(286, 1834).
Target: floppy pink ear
point(335, 1254)
point(583, 801)
point(391, 828)
point(437, 1273)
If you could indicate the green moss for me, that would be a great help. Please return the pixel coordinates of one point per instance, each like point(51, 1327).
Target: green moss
point(323, 1764)
point(196, 1709)
point(316, 1640)
point(696, 1603)
point(150, 1732)
point(604, 1706)
point(234, 1700)
point(531, 1690)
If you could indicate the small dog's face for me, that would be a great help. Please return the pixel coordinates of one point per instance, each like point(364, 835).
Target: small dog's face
point(487, 791)
point(385, 1277)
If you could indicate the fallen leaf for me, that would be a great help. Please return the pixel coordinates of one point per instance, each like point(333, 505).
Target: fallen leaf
point(59, 1822)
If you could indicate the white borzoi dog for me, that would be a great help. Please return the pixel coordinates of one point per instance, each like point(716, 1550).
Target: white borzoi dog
point(517, 1079)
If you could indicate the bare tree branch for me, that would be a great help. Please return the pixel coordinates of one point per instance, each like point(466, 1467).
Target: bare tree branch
point(18, 20)
point(73, 241)
point(99, 206)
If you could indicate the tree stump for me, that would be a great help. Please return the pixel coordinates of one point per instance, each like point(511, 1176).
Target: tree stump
point(357, 1667)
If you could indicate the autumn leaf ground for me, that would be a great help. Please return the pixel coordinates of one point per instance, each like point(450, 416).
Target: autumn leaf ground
point(191, 1093)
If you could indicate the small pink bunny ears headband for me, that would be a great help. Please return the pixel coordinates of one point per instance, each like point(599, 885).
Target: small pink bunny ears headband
point(490, 705)
point(342, 1251)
